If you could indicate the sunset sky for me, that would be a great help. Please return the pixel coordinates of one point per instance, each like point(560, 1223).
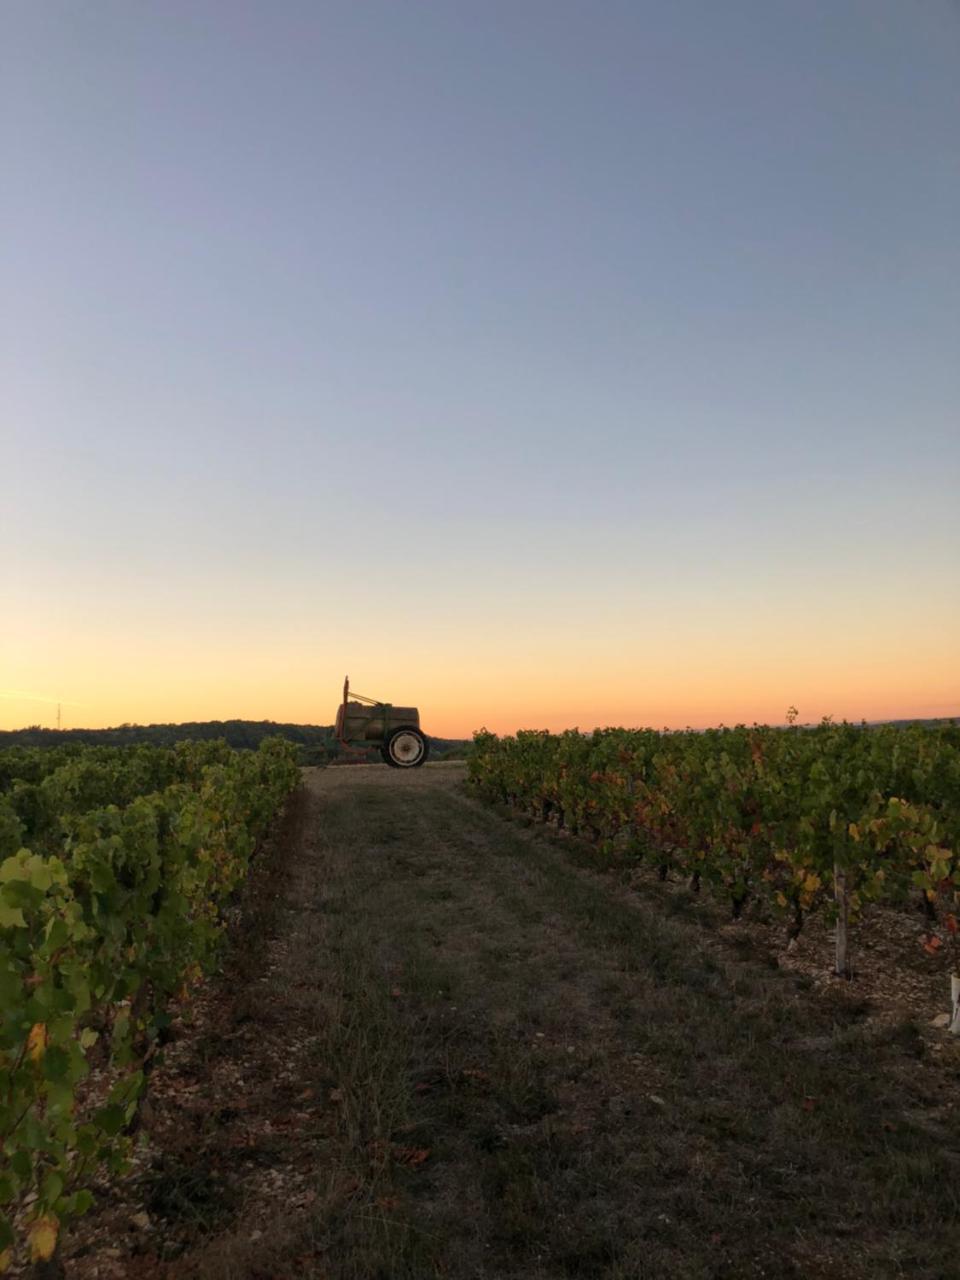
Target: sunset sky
point(538, 363)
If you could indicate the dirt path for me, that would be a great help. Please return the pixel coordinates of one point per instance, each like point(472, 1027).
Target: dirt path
point(456, 1053)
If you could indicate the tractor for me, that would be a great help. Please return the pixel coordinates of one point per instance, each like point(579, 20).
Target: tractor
point(364, 722)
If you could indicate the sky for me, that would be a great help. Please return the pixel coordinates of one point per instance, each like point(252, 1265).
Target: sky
point(538, 363)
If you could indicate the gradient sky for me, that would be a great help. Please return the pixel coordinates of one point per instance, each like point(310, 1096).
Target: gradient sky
point(540, 363)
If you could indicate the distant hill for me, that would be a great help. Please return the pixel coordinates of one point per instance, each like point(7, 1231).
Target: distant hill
point(317, 741)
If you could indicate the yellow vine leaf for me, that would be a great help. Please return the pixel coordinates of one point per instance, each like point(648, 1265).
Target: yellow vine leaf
point(811, 883)
point(37, 1041)
point(6, 1257)
point(782, 899)
point(43, 1238)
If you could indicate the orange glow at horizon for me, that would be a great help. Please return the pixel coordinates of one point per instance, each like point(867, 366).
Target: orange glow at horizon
point(554, 684)
point(477, 648)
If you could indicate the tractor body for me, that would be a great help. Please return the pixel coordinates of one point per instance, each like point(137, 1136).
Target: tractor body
point(396, 730)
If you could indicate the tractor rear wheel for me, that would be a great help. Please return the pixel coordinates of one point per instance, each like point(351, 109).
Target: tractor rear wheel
point(406, 748)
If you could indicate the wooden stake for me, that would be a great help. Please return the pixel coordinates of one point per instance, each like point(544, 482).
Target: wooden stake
point(843, 914)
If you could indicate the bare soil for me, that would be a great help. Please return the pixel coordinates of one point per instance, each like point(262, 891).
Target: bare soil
point(448, 1045)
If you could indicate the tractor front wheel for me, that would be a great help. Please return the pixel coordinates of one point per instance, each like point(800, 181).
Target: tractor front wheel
point(406, 748)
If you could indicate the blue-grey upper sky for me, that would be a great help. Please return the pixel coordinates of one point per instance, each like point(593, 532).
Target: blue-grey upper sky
point(453, 302)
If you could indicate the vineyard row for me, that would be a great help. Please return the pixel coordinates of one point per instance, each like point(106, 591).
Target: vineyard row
point(115, 869)
point(805, 819)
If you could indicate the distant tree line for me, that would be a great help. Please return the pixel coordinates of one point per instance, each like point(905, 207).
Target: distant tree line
point(317, 743)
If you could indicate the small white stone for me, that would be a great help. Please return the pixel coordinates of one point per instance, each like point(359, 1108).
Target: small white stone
point(941, 1020)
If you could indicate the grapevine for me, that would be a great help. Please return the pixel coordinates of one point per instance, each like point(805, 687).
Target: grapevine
point(115, 866)
point(822, 819)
